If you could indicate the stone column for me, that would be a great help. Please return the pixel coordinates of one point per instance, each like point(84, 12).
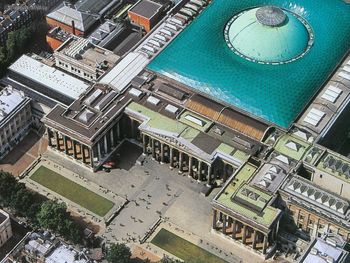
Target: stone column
point(144, 144)
point(199, 172)
point(209, 175)
point(153, 149)
point(277, 229)
point(161, 153)
point(99, 152)
point(48, 136)
point(215, 218)
point(91, 154)
point(171, 149)
point(224, 221)
point(112, 137)
point(82, 149)
point(133, 135)
point(244, 236)
point(118, 131)
point(65, 144)
point(264, 244)
point(190, 161)
point(105, 144)
point(74, 149)
point(57, 141)
point(254, 239)
point(180, 162)
point(234, 228)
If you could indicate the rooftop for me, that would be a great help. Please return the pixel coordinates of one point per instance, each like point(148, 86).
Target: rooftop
point(321, 251)
point(10, 100)
point(80, 50)
point(67, 14)
point(247, 201)
point(49, 77)
point(292, 146)
point(191, 137)
point(313, 195)
point(268, 92)
point(121, 74)
point(89, 115)
point(146, 8)
point(335, 164)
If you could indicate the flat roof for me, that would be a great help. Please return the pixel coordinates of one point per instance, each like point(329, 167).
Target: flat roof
point(64, 255)
point(239, 197)
point(49, 77)
point(195, 139)
point(322, 251)
point(10, 99)
point(292, 146)
point(81, 50)
point(146, 8)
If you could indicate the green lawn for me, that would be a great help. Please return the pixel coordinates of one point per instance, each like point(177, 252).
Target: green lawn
point(72, 191)
point(183, 249)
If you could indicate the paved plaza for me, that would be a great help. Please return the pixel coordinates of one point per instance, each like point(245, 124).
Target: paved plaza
point(153, 191)
point(24, 154)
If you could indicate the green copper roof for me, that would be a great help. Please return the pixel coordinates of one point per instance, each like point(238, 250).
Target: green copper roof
point(266, 214)
point(250, 37)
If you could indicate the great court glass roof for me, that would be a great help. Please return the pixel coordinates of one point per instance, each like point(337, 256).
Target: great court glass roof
point(200, 58)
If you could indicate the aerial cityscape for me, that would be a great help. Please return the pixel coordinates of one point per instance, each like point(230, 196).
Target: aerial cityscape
point(167, 131)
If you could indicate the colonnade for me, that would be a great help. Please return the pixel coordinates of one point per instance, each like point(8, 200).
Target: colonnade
point(92, 156)
point(242, 232)
point(183, 161)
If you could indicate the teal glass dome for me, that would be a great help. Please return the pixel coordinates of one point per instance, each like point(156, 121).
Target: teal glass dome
point(268, 35)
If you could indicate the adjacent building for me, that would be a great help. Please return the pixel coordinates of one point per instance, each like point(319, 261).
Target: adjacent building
point(80, 57)
point(81, 18)
point(13, 18)
point(56, 37)
point(46, 84)
point(5, 227)
point(21, 14)
point(329, 248)
point(146, 13)
point(15, 118)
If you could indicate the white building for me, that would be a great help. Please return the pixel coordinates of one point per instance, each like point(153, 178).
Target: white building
point(5, 227)
point(15, 118)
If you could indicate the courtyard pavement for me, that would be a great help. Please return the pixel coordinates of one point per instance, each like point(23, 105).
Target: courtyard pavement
point(154, 191)
point(24, 154)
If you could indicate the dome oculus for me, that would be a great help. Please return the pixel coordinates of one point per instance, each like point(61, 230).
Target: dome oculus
point(269, 35)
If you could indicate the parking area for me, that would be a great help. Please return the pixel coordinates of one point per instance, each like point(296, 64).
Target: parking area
point(24, 154)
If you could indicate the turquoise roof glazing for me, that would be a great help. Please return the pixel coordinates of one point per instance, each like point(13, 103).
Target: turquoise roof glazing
point(200, 58)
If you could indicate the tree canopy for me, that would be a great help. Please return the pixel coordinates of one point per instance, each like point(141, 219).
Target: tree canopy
point(118, 253)
point(46, 214)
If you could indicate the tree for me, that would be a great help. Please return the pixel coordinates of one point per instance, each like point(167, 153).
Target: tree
point(52, 215)
point(118, 253)
point(167, 259)
point(8, 186)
